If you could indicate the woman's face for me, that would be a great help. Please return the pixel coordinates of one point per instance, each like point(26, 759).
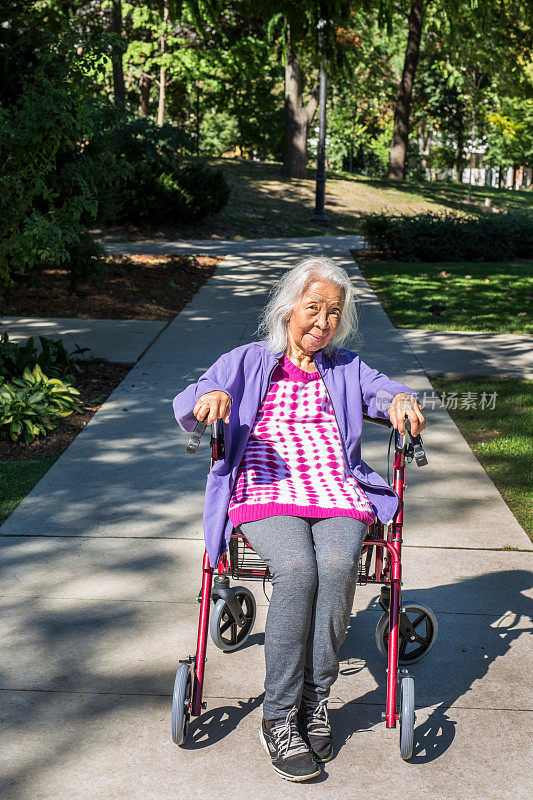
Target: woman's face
point(315, 317)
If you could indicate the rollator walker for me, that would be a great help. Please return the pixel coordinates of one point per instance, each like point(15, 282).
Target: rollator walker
point(404, 633)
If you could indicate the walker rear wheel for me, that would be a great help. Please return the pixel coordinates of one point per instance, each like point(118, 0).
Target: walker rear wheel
point(407, 717)
point(418, 632)
point(181, 703)
point(225, 632)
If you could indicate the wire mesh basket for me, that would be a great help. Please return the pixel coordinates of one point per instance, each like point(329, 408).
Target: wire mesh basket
point(363, 574)
point(244, 561)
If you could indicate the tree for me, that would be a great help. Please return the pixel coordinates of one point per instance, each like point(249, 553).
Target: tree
point(311, 29)
point(463, 75)
point(469, 42)
point(118, 70)
point(49, 110)
point(400, 134)
point(362, 99)
point(510, 133)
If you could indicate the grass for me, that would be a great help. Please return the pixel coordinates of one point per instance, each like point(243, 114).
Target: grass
point(501, 438)
point(265, 204)
point(464, 296)
point(17, 478)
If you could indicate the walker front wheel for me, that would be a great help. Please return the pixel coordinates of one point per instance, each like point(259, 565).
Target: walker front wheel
point(418, 632)
point(407, 717)
point(181, 703)
point(225, 632)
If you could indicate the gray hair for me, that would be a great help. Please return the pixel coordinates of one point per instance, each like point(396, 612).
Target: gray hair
point(288, 290)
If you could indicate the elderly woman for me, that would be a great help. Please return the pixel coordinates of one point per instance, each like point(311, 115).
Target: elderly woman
point(293, 480)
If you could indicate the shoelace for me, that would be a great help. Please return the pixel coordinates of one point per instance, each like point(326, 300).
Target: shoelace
point(289, 741)
point(317, 719)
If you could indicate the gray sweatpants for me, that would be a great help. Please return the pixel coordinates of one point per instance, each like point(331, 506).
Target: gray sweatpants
point(313, 563)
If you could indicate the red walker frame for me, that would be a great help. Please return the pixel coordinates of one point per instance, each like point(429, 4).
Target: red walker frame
point(388, 571)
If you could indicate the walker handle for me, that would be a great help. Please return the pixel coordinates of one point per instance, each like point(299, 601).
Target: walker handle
point(196, 435)
point(420, 456)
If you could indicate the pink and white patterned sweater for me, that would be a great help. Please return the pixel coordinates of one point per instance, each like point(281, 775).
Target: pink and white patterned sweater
point(294, 463)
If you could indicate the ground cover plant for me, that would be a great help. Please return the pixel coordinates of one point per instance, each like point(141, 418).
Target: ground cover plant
point(501, 437)
point(463, 296)
point(33, 402)
point(23, 465)
point(41, 413)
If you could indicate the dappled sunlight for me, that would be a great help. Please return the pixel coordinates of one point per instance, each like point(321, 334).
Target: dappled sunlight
point(101, 564)
point(474, 638)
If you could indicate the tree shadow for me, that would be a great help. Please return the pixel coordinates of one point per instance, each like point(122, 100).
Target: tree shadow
point(89, 566)
point(468, 643)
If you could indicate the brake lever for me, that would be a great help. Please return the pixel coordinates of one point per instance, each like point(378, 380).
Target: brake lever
point(196, 435)
point(420, 456)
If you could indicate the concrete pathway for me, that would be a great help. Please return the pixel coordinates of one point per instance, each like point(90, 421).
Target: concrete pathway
point(101, 566)
point(119, 340)
point(458, 354)
point(453, 354)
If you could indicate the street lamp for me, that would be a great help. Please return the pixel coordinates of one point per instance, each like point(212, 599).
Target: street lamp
point(320, 215)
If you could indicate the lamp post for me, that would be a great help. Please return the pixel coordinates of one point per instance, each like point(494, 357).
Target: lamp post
point(320, 216)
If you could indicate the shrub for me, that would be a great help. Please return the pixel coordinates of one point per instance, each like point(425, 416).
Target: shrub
point(86, 260)
point(157, 185)
point(449, 237)
point(53, 358)
point(34, 404)
point(207, 188)
point(48, 112)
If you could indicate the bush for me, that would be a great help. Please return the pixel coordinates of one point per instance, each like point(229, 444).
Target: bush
point(206, 187)
point(34, 404)
point(449, 237)
point(53, 359)
point(157, 185)
point(86, 260)
point(48, 112)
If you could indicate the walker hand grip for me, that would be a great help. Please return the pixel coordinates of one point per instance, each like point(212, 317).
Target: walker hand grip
point(194, 441)
point(420, 456)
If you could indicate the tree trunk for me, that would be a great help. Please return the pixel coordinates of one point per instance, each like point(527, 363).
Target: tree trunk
point(513, 178)
point(119, 90)
point(500, 177)
point(144, 104)
point(400, 136)
point(459, 158)
point(197, 120)
point(297, 118)
point(162, 70)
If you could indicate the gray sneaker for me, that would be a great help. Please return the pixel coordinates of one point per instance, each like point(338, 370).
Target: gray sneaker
point(290, 755)
point(316, 729)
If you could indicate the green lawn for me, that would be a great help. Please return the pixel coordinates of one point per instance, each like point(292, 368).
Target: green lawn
point(455, 195)
point(263, 203)
point(490, 297)
point(17, 478)
point(501, 438)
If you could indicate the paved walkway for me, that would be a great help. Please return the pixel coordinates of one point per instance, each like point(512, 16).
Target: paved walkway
point(457, 354)
point(440, 353)
point(100, 568)
point(120, 340)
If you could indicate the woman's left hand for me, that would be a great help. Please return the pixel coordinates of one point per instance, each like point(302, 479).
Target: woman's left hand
point(405, 404)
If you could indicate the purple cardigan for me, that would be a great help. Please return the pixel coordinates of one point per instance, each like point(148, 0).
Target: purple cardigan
point(244, 373)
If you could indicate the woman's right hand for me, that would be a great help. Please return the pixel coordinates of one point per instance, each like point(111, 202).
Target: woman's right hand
point(217, 405)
